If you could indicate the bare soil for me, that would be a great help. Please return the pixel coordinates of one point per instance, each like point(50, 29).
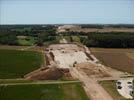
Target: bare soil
point(92, 70)
point(116, 59)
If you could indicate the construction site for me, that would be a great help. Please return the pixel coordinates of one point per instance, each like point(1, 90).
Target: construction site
point(77, 62)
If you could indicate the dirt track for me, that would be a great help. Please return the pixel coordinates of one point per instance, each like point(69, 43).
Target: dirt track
point(93, 89)
point(43, 82)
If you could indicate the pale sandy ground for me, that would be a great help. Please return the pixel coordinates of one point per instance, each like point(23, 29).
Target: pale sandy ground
point(63, 41)
point(92, 88)
point(66, 59)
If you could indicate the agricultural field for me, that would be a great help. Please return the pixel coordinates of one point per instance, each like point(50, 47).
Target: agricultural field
point(120, 59)
point(70, 91)
point(110, 87)
point(8, 47)
point(11, 81)
point(102, 30)
point(16, 63)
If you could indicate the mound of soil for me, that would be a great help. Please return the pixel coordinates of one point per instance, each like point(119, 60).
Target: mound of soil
point(46, 74)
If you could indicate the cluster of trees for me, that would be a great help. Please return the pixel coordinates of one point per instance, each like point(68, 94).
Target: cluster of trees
point(9, 33)
point(107, 40)
point(110, 40)
point(44, 34)
point(8, 39)
point(45, 37)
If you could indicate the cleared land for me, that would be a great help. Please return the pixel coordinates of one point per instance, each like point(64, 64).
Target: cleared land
point(66, 55)
point(110, 87)
point(15, 63)
point(72, 91)
point(116, 58)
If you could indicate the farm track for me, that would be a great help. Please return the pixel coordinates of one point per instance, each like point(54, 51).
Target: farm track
point(42, 82)
point(91, 86)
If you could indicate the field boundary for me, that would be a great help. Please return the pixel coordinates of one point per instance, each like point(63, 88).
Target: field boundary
point(41, 82)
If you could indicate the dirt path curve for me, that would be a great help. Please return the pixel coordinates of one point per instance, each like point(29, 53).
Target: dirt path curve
point(92, 88)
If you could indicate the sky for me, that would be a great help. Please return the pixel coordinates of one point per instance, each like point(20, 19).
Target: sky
point(66, 11)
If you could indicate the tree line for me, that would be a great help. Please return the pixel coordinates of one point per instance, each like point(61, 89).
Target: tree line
point(109, 40)
point(9, 33)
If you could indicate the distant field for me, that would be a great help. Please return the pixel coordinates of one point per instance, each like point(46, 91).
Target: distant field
point(102, 30)
point(73, 91)
point(110, 87)
point(27, 48)
point(121, 59)
point(12, 47)
point(15, 63)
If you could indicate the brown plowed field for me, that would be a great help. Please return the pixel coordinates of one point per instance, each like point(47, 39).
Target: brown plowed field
point(102, 30)
point(116, 58)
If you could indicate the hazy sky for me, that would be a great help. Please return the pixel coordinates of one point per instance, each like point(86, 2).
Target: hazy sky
point(66, 11)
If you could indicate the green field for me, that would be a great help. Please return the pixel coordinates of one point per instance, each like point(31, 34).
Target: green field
point(72, 91)
point(15, 63)
point(10, 81)
point(28, 41)
point(76, 39)
point(110, 87)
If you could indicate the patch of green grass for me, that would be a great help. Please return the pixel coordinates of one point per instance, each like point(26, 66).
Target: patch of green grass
point(28, 41)
point(15, 63)
point(110, 87)
point(76, 39)
point(74, 92)
point(68, 38)
point(43, 92)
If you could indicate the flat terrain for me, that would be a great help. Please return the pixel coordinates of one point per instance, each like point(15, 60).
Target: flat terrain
point(71, 91)
point(8, 81)
point(102, 30)
point(110, 87)
point(121, 59)
point(27, 48)
point(16, 63)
